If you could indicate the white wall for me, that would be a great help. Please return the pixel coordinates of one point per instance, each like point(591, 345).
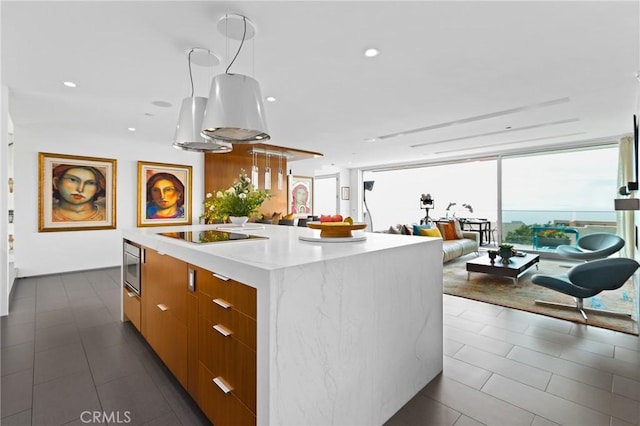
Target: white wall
point(38, 253)
point(5, 287)
point(347, 207)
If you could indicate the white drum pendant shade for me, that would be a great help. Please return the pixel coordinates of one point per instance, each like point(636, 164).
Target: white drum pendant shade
point(190, 120)
point(188, 131)
point(235, 112)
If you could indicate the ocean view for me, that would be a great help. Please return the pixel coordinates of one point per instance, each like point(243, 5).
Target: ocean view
point(541, 217)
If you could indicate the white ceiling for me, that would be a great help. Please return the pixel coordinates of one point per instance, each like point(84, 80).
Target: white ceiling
point(452, 76)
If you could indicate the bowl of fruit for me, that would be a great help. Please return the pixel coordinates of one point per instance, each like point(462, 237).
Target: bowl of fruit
point(334, 226)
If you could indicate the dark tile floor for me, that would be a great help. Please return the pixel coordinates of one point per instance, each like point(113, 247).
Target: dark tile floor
point(65, 352)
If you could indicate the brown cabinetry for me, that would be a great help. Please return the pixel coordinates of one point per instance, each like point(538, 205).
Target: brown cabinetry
point(226, 349)
point(165, 320)
point(131, 307)
point(203, 327)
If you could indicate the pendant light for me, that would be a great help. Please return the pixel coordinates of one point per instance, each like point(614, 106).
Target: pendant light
point(280, 174)
point(255, 171)
point(235, 112)
point(267, 171)
point(188, 136)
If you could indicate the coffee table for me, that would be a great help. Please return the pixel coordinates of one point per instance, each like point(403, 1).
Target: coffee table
point(516, 267)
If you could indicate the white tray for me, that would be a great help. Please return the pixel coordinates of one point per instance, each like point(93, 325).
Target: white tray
point(333, 240)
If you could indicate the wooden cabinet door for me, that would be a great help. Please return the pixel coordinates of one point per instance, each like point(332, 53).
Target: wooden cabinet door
point(165, 281)
point(164, 314)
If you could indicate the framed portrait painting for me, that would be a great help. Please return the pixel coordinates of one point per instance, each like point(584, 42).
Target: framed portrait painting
point(164, 194)
point(300, 199)
point(76, 193)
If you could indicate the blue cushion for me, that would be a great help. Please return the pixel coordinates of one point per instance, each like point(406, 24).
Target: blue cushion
point(416, 228)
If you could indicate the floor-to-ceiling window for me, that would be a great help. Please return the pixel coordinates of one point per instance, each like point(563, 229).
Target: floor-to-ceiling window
point(571, 189)
point(395, 197)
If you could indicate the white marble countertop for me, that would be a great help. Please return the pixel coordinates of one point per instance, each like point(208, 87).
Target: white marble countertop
point(281, 249)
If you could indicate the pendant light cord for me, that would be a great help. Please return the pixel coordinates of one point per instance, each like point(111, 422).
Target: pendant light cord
point(244, 34)
point(190, 75)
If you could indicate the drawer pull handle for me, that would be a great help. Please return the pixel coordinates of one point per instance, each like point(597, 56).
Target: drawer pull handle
point(223, 303)
point(222, 330)
point(130, 294)
point(221, 277)
point(163, 307)
point(192, 280)
point(222, 384)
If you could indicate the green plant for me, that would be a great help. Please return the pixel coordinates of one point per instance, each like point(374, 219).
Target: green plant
point(520, 235)
point(506, 246)
point(553, 233)
point(240, 199)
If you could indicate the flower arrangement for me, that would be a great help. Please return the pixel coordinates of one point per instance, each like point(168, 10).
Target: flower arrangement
point(553, 233)
point(240, 199)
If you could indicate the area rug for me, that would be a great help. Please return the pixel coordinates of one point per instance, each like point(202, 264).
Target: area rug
point(503, 292)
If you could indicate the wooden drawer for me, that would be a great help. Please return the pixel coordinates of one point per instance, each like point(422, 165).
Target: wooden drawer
point(131, 307)
point(221, 408)
point(240, 296)
point(242, 326)
point(228, 357)
point(168, 337)
point(165, 281)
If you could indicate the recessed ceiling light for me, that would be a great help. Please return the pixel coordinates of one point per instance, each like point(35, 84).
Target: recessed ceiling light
point(131, 129)
point(163, 104)
point(370, 53)
point(371, 140)
point(271, 99)
point(69, 84)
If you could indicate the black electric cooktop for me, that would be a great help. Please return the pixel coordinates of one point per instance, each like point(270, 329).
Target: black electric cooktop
point(210, 236)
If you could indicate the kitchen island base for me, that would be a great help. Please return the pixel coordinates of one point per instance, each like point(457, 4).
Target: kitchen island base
point(346, 333)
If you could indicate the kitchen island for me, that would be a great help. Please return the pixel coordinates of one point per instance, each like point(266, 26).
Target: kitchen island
point(346, 333)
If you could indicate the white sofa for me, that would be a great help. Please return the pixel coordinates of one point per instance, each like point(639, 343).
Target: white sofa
point(452, 249)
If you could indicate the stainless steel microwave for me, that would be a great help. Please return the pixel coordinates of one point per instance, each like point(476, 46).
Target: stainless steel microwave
point(131, 267)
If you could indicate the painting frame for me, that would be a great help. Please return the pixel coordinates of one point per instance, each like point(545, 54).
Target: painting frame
point(146, 209)
point(345, 193)
point(299, 184)
point(62, 202)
